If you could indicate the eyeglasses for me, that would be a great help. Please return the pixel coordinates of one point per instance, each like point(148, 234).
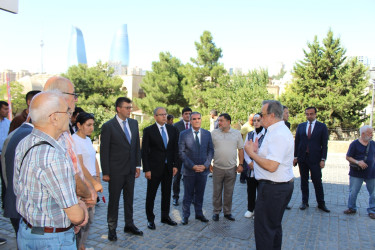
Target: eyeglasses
point(161, 115)
point(70, 113)
point(262, 115)
point(256, 120)
point(73, 94)
point(128, 108)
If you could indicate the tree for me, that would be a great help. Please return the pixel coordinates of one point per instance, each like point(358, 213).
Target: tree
point(334, 85)
point(239, 95)
point(18, 99)
point(163, 86)
point(203, 74)
point(98, 90)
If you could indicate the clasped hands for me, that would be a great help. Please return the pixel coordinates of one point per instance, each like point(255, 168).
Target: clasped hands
point(199, 168)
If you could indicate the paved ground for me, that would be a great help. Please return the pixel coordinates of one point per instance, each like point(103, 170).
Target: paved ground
point(309, 229)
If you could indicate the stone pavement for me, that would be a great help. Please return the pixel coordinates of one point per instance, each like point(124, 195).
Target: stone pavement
point(308, 229)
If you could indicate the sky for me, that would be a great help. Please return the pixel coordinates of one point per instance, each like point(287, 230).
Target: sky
point(252, 33)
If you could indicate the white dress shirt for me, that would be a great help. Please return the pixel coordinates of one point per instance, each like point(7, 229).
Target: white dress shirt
point(277, 145)
point(312, 126)
point(165, 130)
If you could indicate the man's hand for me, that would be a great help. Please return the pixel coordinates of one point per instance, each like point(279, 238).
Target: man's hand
point(97, 185)
point(322, 164)
point(251, 165)
point(251, 147)
point(137, 172)
point(211, 169)
point(199, 168)
point(84, 207)
point(106, 178)
point(295, 161)
point(362, 164)
point(148, 175)
point(175, 170)
point(239, 169)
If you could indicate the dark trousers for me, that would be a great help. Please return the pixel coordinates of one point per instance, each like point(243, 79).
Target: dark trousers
point(252, 185)
point(16, 224)
point(269, 210)
point(176, 185)
point(124, 183)
point(194, 186)
point(305, 168)
point(3, 188)
point(152, 187)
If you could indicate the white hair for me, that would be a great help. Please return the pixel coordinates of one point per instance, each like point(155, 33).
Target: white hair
point(40, 113)
point(364, 128)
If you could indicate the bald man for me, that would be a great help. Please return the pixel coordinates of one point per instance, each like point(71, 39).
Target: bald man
point(87, 186)
point(44, 179)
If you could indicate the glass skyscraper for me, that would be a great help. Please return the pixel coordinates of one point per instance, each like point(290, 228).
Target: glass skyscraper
point(119, 54)
point(77, 51)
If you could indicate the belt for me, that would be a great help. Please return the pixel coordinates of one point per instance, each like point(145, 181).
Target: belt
point(49, 229)
point(276, 183)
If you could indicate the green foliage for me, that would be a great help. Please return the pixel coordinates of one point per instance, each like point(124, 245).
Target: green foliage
point(98, 90)
point(163, 86)
point(146, 122)
point(239, 95)
point(18, 99)
point(334, 85)
point(203, 74)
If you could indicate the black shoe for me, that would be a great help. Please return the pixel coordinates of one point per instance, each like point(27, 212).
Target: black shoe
point(185, 221)
point(169, 221)
point(201, 218)
point(288, 207)
point(229, 217)
point(215, 217)
point(112, 235)
point(175, 202)
point(133, 229)
point(2, 241)
point(324, 208)
point(304, 206)
point(151, 225)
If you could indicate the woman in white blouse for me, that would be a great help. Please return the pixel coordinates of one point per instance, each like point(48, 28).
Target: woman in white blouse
point(86, 155)
point(252, 183)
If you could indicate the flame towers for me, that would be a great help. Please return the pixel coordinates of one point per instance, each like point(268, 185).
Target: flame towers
point(77, 51)
point(119, 54)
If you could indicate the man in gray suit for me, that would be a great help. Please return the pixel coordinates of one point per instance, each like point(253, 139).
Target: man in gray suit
point(181, 126)
point(120, 155)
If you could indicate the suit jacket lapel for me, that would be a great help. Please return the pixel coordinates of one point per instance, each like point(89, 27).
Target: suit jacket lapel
point(119, 129)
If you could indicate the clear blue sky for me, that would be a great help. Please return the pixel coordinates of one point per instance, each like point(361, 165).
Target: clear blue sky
point(251, 33)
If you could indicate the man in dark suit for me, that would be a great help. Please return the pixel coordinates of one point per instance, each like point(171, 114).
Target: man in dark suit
point(196, 151)
point(120, 155)
point(181, 126)
point(310, 152)
point(159, 158)
point(9, 152)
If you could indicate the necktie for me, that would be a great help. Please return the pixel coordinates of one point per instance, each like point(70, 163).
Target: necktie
point(309, 131)
point(126, 131)
point(197, 139)
point(164, 136)
point(187, 125)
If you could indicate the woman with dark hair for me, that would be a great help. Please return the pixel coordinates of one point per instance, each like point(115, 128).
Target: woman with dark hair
point(87, 159)
point(252, 183)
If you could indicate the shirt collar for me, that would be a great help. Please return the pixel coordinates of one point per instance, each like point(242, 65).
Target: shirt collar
point(119, 119)
point(275, 125)
point(159, 126)
point(312, 123)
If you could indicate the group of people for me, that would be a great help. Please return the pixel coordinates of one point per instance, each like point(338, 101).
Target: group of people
point(50, 174)
point(51, 177)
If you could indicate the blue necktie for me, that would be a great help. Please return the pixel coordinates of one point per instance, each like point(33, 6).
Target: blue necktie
point(164, 136)
point(126, 131)
point(197, 139)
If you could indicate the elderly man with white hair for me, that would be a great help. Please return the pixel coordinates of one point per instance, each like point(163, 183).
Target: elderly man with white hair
point(361, 161)
point(44, 179)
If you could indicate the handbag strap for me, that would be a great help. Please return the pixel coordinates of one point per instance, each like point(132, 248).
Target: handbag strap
point(367, 149)
point(35, 145)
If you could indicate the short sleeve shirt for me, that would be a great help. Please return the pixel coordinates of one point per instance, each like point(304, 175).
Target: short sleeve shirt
point(358, 151)
point(226, 145)
point(84, 147)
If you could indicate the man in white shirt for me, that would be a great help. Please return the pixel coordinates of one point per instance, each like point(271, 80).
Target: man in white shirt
point(273, 170)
